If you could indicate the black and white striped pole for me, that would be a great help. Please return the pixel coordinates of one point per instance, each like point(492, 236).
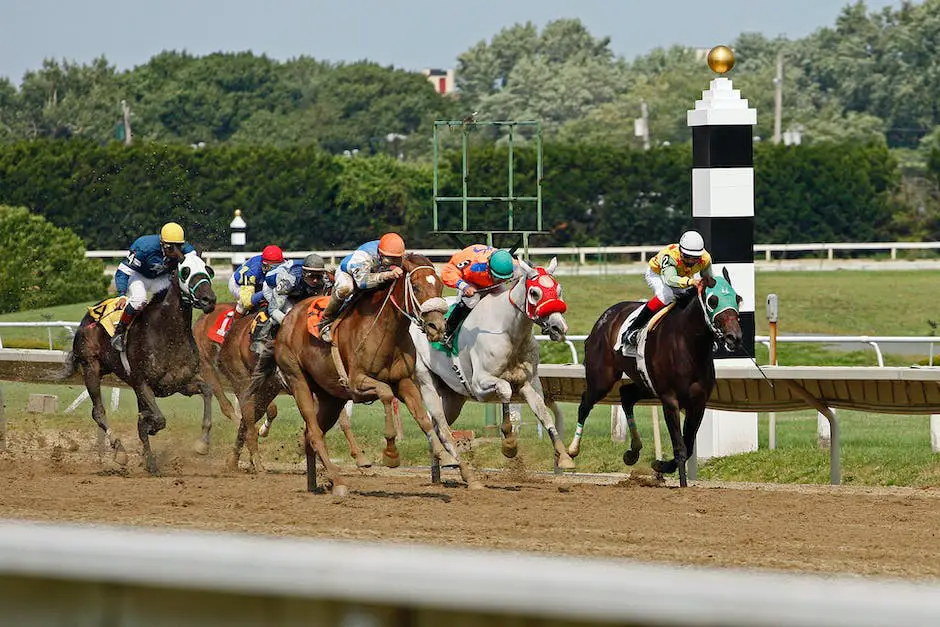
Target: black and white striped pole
point(723, 211)
point(239, 240)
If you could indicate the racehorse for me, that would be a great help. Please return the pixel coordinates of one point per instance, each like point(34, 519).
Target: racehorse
point(160, 359)
point(679, 359)
point(372, 358)
point(497, 355)
point(235, 359)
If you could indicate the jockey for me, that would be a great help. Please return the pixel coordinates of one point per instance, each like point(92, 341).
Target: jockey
point(289, 283)
point(246, 283)
point(672, 271)
point(371, 265)
point(145, 271)
point(474, 269)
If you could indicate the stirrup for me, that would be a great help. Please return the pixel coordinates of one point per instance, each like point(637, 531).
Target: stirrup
point(325, 334)
point(118, 342)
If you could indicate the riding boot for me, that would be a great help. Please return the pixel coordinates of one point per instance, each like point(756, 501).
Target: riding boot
point(119, 341)
point(329, 315)
point(454, 320)
point(263, 333)
point(637, 325)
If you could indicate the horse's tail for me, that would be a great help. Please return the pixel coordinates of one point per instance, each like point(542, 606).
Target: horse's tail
point(264, 369)
point(68, 368)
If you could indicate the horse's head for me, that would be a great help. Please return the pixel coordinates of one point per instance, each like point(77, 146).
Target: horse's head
point(544, 304)
point(423, 300)
point(721, 308)
point(195, 280)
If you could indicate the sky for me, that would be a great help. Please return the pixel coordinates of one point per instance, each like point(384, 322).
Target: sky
point(410, 34)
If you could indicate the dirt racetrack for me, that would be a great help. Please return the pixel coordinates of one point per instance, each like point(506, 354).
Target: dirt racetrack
point(867, 531)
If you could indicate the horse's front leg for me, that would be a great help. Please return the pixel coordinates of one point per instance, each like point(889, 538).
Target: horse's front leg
point(409, 393)
point(673, 423)
point(92, 375)
point(531, 391)
point(629, 395)
point(510, 447)
point(202, 387)
point(694, 412)
point(149, 422)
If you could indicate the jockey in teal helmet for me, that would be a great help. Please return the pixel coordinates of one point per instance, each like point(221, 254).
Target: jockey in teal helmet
point(474, 268)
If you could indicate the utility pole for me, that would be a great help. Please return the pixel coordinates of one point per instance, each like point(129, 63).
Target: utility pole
point(778, 98)
point(127, 122)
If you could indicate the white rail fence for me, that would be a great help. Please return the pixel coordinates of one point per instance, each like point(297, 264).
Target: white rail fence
point(581, 254)
point(56, 574)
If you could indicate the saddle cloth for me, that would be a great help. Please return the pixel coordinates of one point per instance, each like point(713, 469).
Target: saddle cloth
point(315, 314)
point(107, 313)
point(221, 325)
point(641, 337)
point(439, 346)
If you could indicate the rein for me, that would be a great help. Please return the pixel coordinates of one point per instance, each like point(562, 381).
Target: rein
point(537, 320)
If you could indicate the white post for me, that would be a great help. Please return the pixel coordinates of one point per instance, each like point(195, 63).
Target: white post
point(723, 211)
point(823, 432)
point(239, 239)
point(618, 424)
point(935, 433)
point(657, 438)
point(115, 398)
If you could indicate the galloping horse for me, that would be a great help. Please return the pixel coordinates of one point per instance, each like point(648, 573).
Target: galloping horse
point(497, 355)
point(372, 358)
point(236, 360)
point(679, 365)
point(160, 358)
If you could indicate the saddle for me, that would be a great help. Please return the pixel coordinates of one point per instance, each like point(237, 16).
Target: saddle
point(221, 325)
point(106, 313)
point(622, 345)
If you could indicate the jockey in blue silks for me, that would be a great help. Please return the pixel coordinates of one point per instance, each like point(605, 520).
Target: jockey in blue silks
point(146, 271)
point(248, 280)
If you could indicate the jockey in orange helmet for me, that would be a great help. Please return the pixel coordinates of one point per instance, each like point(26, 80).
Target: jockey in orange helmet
point(477, 267)
point(371, 265)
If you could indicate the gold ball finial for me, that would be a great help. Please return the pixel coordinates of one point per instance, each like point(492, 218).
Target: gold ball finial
point(720, 59)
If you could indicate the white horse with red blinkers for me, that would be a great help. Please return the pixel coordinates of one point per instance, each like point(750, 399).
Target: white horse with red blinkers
point(497, 354)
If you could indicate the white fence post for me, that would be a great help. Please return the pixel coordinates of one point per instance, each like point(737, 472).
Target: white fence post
point(823, 433)
point(935, 433)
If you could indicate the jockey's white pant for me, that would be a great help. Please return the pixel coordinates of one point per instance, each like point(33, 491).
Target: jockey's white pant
point(343, 284)
point(139, 287)
point(665, 293)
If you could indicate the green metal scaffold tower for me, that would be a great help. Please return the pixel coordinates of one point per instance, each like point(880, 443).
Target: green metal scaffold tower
point(465, 199)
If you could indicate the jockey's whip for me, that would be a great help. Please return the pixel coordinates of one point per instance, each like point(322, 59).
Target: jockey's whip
point(761, 370)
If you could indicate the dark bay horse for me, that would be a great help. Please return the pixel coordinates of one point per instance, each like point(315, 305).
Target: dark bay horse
point(680, 362)
point(235, 360)
point(160, 358)
point(376, 358)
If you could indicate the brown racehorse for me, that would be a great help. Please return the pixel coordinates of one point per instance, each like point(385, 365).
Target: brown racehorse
point(160, 359)
point(377, 358)
point(680, 361)
point(235, 359)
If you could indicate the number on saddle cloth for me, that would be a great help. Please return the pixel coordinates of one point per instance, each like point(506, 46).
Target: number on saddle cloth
point(221, 325)
point(107, 313)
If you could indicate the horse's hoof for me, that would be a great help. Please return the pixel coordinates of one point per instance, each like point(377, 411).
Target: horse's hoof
point(201, 447)
point(263, 430)
point(391, 461)
point(665, 467)
point(565, 463)
point(573, 451)
point(475, 485)
point(448, 460)
point(232, 463)
point(340, 491)
point(630, 457)
point(510, 449)
point(120, 457)
point(363, 462)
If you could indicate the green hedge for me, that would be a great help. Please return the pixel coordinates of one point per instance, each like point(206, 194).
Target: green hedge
point(43, 265)
point(304, 198)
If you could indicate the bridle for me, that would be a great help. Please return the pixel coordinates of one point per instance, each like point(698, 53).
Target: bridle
point(414, 309)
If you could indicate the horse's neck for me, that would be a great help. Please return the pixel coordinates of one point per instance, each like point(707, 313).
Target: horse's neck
point(506, 316)
point(693, 327)
point(176, 314)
